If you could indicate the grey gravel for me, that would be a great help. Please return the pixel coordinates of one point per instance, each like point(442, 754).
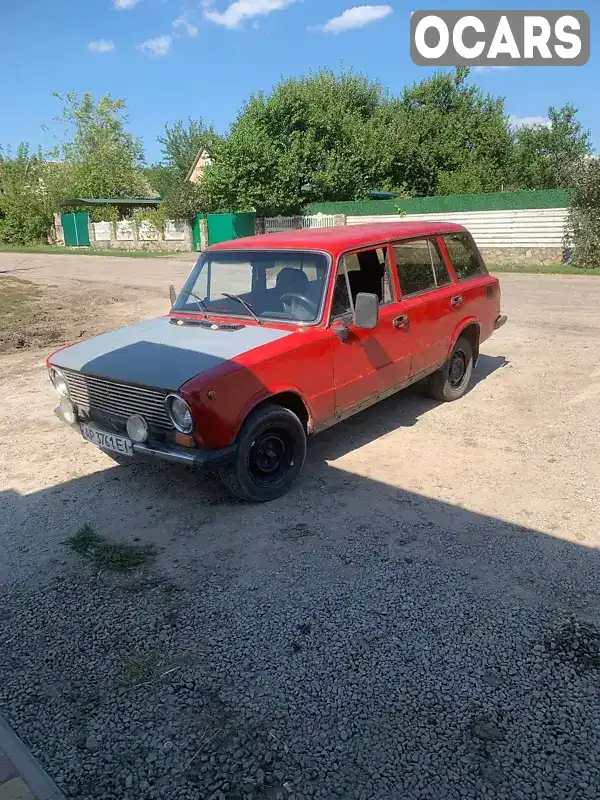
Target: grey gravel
point(389, 700)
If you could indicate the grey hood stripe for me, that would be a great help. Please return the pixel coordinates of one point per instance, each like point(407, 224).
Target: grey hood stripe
point(160, 354)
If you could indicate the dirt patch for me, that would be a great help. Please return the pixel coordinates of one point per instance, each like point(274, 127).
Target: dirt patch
point(34, 316)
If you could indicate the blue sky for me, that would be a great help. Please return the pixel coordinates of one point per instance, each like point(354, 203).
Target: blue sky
point(174, 59)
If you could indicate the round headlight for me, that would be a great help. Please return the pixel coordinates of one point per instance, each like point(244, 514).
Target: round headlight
point(137, 428)
point(59, 382)
point(179, 413)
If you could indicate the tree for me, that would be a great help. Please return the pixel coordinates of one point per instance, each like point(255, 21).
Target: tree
point(548, 156)
point(181, 144)
point(337, 137)
point(455, 138)
point(313, 138)
point(584, 214)
point(31, 190)
point(104, 158)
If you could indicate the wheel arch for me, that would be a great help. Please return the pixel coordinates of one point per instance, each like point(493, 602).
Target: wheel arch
point(290, 398)
point(471, 330)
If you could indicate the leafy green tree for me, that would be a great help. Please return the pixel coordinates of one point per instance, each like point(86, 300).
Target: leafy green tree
point(181, 144)
point(105, 159)
point(313, 138)
point(455, 138)
point(31, 190)
point(584, 214)
point(548, 156)
point(337, 137)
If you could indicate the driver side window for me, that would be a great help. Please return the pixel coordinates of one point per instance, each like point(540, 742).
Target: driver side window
point(366, 271)
point(341, 303)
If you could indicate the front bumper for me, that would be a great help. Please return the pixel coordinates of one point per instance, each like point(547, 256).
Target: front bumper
point(200, 459)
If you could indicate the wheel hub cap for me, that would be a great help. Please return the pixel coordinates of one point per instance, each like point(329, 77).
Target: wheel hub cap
point(458, 367)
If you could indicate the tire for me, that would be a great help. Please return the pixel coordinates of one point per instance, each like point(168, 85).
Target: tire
point(453, 379)
point(270, 455)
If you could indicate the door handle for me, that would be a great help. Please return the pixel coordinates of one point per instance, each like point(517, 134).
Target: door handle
point(400, 322)
point(456, 301)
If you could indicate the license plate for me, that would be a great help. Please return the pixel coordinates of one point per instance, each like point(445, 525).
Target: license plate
point(109, 441)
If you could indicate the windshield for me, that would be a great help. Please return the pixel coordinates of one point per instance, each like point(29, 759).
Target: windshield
point(278, 285)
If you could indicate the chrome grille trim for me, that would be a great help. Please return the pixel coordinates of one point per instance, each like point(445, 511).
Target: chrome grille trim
point(118, 399)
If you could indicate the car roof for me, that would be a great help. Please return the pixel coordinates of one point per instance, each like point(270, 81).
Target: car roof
point(335, 240)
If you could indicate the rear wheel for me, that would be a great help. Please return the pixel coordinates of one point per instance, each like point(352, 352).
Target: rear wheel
point(453, 379)
point(270, 455)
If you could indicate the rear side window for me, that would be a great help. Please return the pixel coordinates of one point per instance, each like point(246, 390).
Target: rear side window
point(463, 255)
point(420, 266)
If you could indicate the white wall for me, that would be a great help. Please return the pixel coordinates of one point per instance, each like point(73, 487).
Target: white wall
point(528, 228)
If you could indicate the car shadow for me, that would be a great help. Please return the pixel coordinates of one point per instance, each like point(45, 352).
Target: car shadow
point(401, 410)
point(362, 623)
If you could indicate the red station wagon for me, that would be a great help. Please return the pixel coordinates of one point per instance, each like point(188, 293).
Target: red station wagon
point(277, 337)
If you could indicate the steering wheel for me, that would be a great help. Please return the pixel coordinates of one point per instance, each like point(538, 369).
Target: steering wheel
point(305, 302)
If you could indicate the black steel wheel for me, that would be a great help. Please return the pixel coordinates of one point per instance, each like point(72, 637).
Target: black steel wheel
point(452, 380)
point(270, 455)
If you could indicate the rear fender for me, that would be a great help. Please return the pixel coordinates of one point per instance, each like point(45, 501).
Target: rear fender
point(460, 328)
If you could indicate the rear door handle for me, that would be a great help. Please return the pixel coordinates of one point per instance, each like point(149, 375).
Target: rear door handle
point(457, 301)
point(400, 322)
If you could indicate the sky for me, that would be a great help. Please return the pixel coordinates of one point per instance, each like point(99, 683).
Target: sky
point(176, 59)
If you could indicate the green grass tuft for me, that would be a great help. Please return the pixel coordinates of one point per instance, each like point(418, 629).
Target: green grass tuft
point(143, 669)
point(87, 251)
point(107, 555)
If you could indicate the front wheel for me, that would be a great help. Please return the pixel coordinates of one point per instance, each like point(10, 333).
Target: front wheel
point(270, 455)
point(453, 379)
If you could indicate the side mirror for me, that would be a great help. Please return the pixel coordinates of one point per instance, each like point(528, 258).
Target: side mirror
point(366, 311)
point(172, 295)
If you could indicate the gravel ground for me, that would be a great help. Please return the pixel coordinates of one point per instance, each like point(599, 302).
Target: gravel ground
point(418, 619)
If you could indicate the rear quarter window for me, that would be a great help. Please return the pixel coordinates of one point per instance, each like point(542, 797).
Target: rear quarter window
point(464, 256)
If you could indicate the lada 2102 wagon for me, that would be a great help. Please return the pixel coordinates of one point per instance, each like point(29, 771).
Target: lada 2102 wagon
point(277, 337)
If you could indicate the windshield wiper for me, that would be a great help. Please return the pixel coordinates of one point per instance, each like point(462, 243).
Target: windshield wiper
point(244, 303)
point(200, 302)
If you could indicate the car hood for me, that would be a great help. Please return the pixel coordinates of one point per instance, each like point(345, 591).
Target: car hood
point(160, 354)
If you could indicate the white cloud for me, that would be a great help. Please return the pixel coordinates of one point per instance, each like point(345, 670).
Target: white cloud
point(520, 122)
point(241, 10)
point(491, 69)
point(101, 46)
point(125, 3)
point(183, 22)
point(159, 46)
point(356, 17)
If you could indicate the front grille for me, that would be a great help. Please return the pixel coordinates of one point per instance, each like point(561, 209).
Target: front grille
point(118, 399)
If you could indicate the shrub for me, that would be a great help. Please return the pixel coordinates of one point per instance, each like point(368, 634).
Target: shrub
point(583, 235)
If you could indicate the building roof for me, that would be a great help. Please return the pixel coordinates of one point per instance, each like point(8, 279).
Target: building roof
point(337, 240)
point(202, 154)
point(116, 201)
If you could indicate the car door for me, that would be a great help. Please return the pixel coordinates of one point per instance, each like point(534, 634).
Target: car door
point(476, 290)
point(366, 363)
point(427, 290)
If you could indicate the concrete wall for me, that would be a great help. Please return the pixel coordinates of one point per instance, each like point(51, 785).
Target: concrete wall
point(131, 235)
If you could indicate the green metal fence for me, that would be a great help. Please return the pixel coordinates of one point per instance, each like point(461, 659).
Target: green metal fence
point(76, 229)
point(493, 201)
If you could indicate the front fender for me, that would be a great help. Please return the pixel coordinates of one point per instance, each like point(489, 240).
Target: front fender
point(266, 394)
